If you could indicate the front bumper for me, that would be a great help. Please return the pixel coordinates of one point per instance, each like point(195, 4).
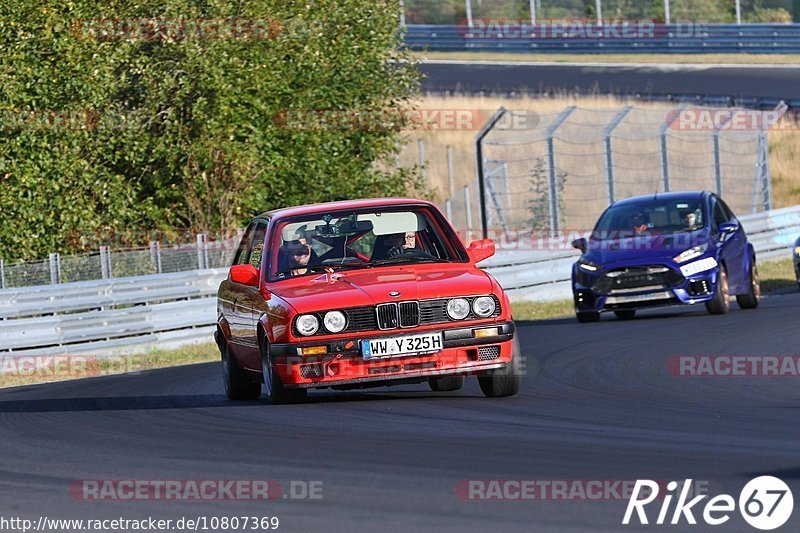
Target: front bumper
point(344, 364)
point(686, 290)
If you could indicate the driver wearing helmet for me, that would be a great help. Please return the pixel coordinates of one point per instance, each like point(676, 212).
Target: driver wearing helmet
point(640, 222)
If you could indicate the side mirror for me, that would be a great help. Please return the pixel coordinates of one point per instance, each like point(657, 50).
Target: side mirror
point(728, 227)
point(480, 250)
point(244, 275)
point(580, 244)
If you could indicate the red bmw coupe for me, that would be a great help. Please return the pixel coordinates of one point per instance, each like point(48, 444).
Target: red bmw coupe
point(358, 294)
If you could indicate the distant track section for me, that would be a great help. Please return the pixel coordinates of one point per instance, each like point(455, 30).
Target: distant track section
point(749, 86)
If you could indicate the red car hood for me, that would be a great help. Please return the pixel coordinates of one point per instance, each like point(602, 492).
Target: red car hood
point(352, 288)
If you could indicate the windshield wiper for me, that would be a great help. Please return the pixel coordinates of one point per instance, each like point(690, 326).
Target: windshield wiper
point(399, 260)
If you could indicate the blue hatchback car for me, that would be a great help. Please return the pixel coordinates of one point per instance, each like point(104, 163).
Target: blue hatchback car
point(664, 249)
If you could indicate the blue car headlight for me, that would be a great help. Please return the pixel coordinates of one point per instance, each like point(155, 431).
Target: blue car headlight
point(797, 251)
point(691, 253)
point(588, 266)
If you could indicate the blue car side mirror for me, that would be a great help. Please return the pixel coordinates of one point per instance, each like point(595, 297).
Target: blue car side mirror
point(728, 227)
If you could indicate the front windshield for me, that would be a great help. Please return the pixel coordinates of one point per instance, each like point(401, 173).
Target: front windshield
point(649, 218)
point(360, 239)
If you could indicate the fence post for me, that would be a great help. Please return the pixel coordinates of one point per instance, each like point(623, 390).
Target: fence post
point(105, 262)
point(2, 275)
point(200, 256)
point(468, 204)
point(551, 167)
point(55, 269)
point(155, 255)
point(717, 155)
point(451, 175)
point(422, 160)
point(609, 155)
point(664, 148)
point(448, 209)
point(766, 177)
point(487, 128)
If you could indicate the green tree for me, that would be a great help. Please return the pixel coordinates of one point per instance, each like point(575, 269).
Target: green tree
point(184, 129)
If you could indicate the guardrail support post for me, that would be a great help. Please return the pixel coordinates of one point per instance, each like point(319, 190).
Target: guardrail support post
point(448, 209)
point(2, 275)
point(609, 154)
point(155, 255)
point(551, 167)
point(55, 269)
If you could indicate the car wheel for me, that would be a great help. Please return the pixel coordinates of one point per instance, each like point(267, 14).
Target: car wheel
point(625, 314)
point(238, 385)
point(753, 296)
point(592, 316)
point(721, 303)
point(274, 391)
point(446, 383)
point(505, 381)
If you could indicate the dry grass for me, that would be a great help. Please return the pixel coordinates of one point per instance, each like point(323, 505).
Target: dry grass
point(21, 370)
point(784, 145)
point(705, 59)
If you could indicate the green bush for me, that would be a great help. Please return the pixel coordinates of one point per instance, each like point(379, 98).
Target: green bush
point(104, 135)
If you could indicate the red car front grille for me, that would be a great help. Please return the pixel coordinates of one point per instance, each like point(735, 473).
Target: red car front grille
point(395, 315)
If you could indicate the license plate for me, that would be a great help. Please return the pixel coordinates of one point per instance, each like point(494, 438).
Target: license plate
point(409, 345)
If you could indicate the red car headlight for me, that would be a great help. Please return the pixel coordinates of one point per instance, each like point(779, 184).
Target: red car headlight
point(307, 325)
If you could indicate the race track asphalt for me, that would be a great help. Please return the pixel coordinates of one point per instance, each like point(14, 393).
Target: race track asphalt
point(740, 82)
point(597, 404)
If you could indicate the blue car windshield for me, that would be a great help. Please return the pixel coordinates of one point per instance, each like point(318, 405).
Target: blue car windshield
point(652, 217)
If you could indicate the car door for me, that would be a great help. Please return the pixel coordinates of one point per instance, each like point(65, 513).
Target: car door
point(738, 243)
point(249, 302)
point(731, 244)
point(232, 295)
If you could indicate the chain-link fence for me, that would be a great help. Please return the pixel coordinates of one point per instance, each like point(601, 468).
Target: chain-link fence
point(108, 263)
point(711, 11)
point(562, 172)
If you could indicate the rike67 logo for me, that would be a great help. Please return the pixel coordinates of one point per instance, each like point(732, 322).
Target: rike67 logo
point(765, 503)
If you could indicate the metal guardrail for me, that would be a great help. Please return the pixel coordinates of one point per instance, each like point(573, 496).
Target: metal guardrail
point(107, 317)
point(669, 39)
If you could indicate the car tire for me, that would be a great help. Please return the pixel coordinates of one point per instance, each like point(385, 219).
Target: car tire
point(274, 391)
point(626, 314)
point(505, 381)
point(446, 383)
point(721, 303)
point(753, 296)
point(238, 385)
point(584, 317)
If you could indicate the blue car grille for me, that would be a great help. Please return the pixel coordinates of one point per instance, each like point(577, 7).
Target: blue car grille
point(636, 279)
